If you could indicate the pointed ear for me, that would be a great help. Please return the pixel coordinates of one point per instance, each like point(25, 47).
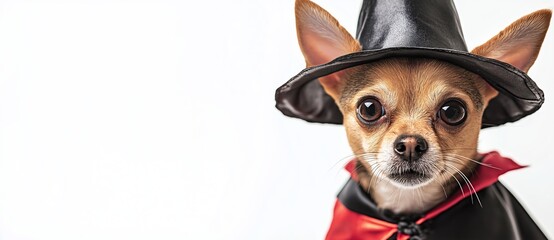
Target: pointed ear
point(322, 39)
point(518, 44)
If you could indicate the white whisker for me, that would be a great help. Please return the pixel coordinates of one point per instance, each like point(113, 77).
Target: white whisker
point(468, 183)
point(457, 157)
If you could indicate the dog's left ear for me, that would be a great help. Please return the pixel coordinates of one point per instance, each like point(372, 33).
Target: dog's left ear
point(322, 39)
point(518, 44)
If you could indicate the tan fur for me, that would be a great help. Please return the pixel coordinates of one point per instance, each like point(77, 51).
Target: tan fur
point(519, 43)
point(322, 39)
point(412, 91)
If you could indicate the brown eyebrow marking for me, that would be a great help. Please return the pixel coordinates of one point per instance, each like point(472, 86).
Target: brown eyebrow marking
point(464, 80)
point(357, 79)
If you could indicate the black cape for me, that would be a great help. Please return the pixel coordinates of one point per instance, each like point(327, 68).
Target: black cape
point(496, 215)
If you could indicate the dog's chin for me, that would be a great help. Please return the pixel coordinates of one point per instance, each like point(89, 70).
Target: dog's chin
point(410, 178)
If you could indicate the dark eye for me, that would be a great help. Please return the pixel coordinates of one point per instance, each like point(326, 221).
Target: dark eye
point(452, 112)
point(370, 110)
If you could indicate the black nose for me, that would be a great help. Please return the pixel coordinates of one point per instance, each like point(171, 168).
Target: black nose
point(410, 147)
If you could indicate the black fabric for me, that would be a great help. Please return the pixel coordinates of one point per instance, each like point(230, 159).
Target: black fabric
point(416, 29)
point(501, 217)
point(394, 23)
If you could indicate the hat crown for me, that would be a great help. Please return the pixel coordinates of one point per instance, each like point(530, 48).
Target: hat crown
point(410, 23)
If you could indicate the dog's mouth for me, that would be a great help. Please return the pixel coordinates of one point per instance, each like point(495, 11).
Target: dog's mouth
point(409, 177)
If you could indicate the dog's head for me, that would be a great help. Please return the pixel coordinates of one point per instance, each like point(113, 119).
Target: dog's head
point(408, 120)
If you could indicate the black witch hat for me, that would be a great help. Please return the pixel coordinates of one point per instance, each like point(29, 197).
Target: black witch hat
point(408, 28)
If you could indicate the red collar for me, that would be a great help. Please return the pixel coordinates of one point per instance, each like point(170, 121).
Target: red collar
point(372, 228)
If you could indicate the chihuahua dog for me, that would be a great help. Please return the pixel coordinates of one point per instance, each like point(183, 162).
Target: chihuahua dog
point(412, 123)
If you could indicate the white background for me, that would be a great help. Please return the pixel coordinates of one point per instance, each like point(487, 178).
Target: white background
point(155, 119)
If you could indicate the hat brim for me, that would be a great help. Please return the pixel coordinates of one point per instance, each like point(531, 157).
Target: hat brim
point(303, 97)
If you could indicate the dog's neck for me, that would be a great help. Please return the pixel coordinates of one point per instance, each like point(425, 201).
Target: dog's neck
point(402, 200)
point(407, 200)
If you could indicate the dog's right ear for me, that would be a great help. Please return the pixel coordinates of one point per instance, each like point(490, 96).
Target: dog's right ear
point(322, 39)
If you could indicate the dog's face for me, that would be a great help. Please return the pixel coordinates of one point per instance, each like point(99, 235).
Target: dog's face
point(412, 121)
